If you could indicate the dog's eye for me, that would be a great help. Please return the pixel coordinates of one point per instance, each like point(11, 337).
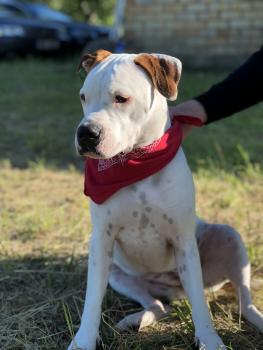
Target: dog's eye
point(82, 97)
point(120, 99)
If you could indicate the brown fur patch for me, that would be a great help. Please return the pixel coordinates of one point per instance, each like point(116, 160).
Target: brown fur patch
point(163, 73)
point(90, 60)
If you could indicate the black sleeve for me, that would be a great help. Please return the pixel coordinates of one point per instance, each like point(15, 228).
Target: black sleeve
point(241, 89)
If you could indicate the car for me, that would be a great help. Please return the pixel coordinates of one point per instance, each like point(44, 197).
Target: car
point(80, 33)
point(20, 34)
point(31, 27)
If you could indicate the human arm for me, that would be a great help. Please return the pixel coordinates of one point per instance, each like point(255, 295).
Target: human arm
point(240, 90)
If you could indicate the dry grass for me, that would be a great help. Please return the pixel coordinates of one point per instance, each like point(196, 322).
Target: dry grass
point(43, 263)
point(44, 221)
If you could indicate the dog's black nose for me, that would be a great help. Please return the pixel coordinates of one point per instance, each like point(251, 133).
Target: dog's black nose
point(88, 136)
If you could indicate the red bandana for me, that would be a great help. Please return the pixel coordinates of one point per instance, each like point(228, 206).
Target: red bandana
point(104, 177)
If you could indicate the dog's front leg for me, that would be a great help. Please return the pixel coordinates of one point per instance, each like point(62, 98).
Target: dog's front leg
point(100, 257)
point(189, 269)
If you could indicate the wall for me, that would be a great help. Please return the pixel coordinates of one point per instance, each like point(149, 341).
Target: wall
point(202, 33)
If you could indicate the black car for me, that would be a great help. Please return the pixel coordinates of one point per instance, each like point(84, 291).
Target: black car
point(26, 27)
point(79, 33)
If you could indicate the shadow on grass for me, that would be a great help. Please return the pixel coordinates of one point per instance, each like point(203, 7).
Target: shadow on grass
point(35, 291)
point(224, 145)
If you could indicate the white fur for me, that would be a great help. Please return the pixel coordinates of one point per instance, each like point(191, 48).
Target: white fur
point(146, 232)
point(125, 126)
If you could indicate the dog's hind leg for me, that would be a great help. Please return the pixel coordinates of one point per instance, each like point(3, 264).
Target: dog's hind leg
point(223, 257)
point(248, 309)
point(239, 274)
point(137, 289)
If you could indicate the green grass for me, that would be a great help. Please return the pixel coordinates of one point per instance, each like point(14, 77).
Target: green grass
point(44, 220)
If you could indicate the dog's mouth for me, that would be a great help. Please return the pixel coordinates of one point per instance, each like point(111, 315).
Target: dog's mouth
point(94, 154)
point(89, 153)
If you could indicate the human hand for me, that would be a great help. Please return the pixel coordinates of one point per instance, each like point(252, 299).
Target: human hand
point(192, 108)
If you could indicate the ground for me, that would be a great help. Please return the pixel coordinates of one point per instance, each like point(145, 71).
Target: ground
point(45, 225)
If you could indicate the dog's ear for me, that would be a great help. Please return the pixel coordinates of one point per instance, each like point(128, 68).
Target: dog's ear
point(89, 60)
point(164, 72)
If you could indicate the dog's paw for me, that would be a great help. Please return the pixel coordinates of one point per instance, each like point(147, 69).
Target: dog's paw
point(81, 342)
point(210, 341)
point(254, 316)
point(74, 345)
point(142, 319)
point(136, 321)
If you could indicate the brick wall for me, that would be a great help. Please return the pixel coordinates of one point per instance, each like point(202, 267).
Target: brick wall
point(200, 32)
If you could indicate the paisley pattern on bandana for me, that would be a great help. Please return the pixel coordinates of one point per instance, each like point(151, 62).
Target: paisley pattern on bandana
point(122, 158)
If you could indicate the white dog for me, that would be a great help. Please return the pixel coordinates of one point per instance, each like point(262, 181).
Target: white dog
point(147, 241)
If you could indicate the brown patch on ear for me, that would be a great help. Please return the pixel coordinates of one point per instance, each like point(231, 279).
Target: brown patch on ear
point(90, 60)
point(163, 73)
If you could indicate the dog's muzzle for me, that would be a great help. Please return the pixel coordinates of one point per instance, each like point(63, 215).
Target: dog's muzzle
point(88, 137)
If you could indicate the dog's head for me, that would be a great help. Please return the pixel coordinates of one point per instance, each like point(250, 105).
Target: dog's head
point(120, 96)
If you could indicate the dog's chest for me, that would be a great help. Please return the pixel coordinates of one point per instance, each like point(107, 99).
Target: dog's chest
point(147, 218)
point(146, 244)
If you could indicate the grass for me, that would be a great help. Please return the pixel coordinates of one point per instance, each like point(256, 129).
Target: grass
point(44, 220)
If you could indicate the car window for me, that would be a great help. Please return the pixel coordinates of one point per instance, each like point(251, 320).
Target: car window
point(10, 11)
point(47, 13)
